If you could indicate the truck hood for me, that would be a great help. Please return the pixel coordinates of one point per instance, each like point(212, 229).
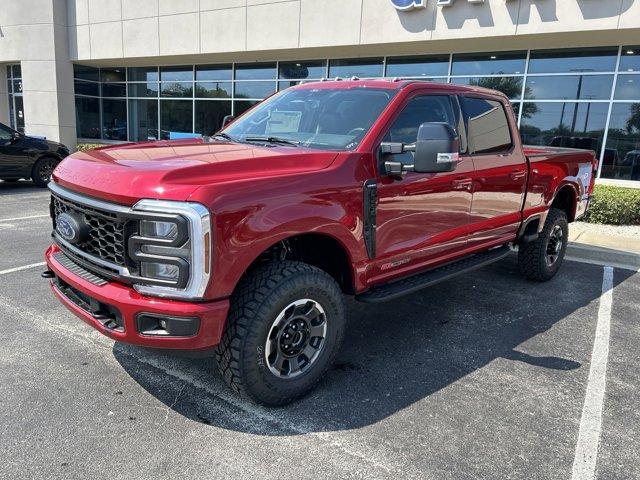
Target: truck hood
point(173, 170)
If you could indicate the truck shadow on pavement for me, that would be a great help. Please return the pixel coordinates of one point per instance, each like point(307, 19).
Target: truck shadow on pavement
point(403, 352)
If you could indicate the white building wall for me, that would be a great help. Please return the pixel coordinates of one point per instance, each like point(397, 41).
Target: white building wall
point(139, 29)
point(34, 34)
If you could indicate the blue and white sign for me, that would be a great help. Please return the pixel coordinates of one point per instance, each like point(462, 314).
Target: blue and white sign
point(405, 5)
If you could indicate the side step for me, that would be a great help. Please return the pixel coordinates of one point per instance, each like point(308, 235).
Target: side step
point(393, 290)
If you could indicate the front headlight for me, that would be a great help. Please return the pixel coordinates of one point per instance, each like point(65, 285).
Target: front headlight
point(171, 248)
point(154, 228)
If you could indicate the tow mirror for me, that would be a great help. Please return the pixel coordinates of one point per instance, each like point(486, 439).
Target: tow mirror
point(436, 150)
point(227, 120)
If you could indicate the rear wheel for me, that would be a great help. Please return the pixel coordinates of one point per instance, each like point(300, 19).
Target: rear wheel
point(41, 172)
point(284, 330)
point(541, 259)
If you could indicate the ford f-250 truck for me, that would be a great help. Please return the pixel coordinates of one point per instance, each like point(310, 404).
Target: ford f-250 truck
point(247, 241)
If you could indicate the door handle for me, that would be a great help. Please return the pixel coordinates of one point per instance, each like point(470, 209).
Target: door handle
point(462, 183)
point(518, 174)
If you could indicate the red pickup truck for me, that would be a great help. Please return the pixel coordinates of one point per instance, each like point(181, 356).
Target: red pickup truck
point(247, 241)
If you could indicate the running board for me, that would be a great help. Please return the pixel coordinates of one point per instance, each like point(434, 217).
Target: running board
point(393, 290)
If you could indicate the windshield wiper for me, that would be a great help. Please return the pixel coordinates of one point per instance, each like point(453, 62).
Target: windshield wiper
point(282, 141)
point(225, 136)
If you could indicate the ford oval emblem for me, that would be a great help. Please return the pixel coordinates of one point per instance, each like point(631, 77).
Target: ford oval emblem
point(408, 4)
point(70, 227)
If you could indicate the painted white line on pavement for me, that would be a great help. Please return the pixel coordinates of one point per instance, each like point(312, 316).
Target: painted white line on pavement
point(24, 267)
point(260, 416)
point(584, 463)
point(23, 218)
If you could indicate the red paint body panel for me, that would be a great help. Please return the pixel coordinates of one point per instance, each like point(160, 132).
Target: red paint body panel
point(259, 196)
point(212, 314)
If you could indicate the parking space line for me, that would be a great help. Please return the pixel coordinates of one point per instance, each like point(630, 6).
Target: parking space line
point(584, 463)
point(23, 218)
point(24, 267)
point(258, 415)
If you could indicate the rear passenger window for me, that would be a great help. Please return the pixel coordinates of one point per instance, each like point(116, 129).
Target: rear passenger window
point(487, 125)
point(428, 108)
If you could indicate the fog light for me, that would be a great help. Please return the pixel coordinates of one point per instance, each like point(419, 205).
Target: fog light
point(166, 325)
point(162, 271)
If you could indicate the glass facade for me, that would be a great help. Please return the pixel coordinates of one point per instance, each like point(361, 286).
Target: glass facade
point(583, 98)
point(14, 97)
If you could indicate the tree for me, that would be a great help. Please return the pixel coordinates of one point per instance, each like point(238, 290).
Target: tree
point(511, 87)
point(634, 119)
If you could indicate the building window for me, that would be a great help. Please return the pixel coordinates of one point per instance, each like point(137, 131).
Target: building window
point(143, 120)
point(14, 97)
point(114, 119)
point(573, 60)
point(176, 118)
point(560, 97)
point(627, 87)
point(209, 115)
point(500, 63)
point(630, 59)
point(565, 124)
point(87, 117)
point(510, 86)
point(419, 67)
point(361, 68)
point(622, 154)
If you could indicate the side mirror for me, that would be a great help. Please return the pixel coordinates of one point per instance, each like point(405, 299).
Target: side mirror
point(436, 149)
point(227, 120)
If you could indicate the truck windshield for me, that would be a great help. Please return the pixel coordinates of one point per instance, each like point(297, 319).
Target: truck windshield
point(328, 119)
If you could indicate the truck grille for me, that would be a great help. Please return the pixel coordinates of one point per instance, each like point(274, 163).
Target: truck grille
point(106, 239)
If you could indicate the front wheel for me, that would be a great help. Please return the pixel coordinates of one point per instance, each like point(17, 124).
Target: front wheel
point(284, 330)
point(42, 170)
point(541, 259)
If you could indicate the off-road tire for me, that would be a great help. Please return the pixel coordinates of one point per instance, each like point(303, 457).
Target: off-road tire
point(48, 163)
point(532, 255)
point(258, 300)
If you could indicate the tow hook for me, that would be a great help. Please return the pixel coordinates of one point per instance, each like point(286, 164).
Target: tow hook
point(47, 274)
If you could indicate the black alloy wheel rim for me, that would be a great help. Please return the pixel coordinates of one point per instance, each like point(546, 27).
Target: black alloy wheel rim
point(46, 169)
point(554, 246)
point(296, 338)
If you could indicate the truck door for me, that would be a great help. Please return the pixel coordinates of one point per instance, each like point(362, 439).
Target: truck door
point(500, 170)
point(424, 216)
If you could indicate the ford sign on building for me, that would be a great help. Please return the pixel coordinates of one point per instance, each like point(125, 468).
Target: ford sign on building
point(128, 70)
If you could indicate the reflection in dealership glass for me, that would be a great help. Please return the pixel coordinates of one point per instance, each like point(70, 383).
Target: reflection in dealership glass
point(328, 119)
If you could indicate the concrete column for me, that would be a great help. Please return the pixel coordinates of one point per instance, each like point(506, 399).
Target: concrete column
point(4, 97)
point(36, 36)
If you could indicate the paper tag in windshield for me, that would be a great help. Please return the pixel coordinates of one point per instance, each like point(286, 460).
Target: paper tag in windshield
point(283, 122)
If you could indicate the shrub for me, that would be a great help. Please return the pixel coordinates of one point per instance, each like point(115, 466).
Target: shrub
point(615, 206)
point(83, 147)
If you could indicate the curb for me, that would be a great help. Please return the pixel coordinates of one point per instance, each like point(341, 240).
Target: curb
point(582, 252)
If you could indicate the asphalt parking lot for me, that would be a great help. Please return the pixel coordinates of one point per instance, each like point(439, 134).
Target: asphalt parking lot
point(485, 376)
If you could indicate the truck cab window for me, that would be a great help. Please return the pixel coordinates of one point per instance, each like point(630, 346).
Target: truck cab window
point(431, 108)
point(487, 125)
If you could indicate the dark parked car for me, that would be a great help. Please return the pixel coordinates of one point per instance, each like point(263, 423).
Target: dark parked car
point(27, 157)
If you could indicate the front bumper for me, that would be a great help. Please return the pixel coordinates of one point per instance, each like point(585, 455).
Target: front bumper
point(127, 304)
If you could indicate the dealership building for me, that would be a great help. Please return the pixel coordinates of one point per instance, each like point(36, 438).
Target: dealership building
point(104, 71)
